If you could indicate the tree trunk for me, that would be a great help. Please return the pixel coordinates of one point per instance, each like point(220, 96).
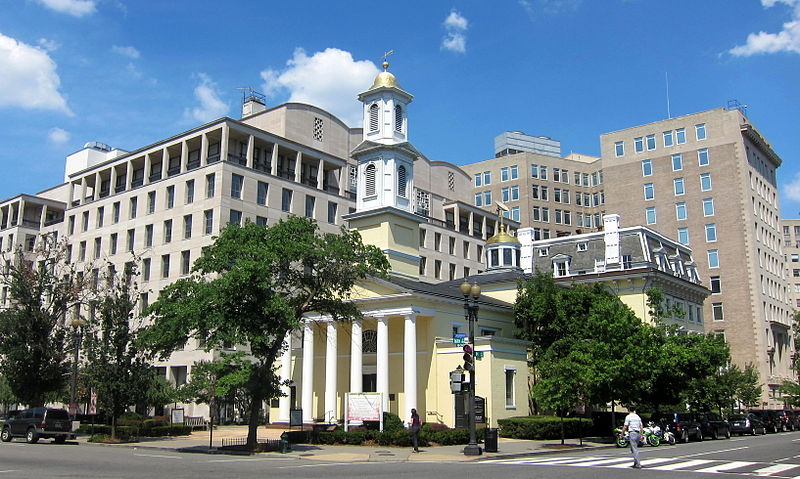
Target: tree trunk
point(561, 413)
point(252, 425)
point(113, 425)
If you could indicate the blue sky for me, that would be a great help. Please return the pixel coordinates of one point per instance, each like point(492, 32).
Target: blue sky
point(129, 73)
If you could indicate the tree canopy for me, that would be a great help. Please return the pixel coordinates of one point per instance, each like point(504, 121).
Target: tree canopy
point(254, 285)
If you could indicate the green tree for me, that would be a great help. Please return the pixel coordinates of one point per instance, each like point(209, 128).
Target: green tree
point(253, 285)
point(6, 395)
point(212, 381)
point(33, 334)
point(749, 388)
point(116, 367)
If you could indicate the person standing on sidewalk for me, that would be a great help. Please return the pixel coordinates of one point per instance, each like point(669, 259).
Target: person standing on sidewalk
point(633, 425)
point(414, 425)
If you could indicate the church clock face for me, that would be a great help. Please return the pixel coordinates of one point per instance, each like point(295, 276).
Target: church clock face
point(369, 341)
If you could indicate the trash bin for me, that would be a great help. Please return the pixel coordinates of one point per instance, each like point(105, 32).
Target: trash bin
point(490, 439)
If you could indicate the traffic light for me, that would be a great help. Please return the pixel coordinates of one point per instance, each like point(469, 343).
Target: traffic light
point(456, 380)
point(469, 359)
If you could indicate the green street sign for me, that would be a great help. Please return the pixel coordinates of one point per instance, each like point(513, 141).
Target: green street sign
point(478, 355)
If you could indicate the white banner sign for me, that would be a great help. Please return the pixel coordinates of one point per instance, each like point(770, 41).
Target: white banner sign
point(364, 407)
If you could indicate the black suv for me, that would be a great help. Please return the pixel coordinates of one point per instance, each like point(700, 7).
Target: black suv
point(682, 424)
point(770, 419)
point(38, 423)
point(712, 425)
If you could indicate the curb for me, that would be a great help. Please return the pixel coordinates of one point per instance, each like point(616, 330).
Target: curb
point(538, 452)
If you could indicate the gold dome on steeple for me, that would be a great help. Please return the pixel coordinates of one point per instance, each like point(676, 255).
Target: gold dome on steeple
point(502, 237)
point(384, 79)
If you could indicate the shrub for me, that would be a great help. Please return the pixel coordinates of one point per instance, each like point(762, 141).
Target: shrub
point(392, 422)
point(540, 427)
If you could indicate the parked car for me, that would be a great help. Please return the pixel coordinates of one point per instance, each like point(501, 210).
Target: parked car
point(786, 420)
point(769, 418)
point(746, 424)
point(712, 425)
point(683, 425)
point(38, 423)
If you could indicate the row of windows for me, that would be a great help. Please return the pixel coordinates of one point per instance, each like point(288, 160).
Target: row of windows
point(683, 232)
point(669, 138)
point(680, 211)
point(451, 242)
point(374, 123)
point(452, 269)
point(540, 172)
point(679, 186)
point(677, 162)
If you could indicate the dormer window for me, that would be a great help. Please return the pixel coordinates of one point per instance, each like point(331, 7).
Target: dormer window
point(373, 117)
point(401, 182)
point(561, 267)
point(398, 118)
point(583, 246)
point(369, 173)
point(544, 251)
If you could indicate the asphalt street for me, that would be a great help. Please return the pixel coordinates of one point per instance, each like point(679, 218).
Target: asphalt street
point(774, 455)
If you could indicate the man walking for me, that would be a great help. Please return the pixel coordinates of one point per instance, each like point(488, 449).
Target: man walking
point(633, 425)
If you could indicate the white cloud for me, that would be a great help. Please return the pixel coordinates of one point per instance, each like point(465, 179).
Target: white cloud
point(29, 78)
point(76, 8)
point(455, 39)
point(792, 189)
point(211, 105)
point(787, 40)
point(528, 7)
point(129, 52)
point(58, 136)
point(330, 80)
point(49, 45)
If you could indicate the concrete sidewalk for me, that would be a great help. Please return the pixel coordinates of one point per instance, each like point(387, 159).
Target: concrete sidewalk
point(198, 442)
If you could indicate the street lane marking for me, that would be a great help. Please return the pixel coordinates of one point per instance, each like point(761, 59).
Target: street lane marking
point(713, 452)
point(156, 455)
point(726, 467)
point(253, 459)
point(682, 465)
point(768, 471)
point(604, 462)
point(9, 470)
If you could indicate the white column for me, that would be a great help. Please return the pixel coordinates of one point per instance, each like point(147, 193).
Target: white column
point(330, 373)
point(203, 149)
point(343, 179)
point(308, 372)
point(273, 165)
point(251, 141)
point(223, 146)
point(83, 190)
point(128, 175)
point(321, 174)
point(286, 374)
point(383, 360)
point(410, 364)
point(98, 182)
point(184, 156)
point(298, 167)
point(356, 358)
point(164, 162)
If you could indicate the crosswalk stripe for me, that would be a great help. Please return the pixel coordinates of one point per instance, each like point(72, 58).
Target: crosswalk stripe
point(682, 465)
point(726, 466)
point(768, 471)
point(603, 462)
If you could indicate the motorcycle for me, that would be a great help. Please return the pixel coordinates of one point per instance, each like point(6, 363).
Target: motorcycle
point(652, 434)
point(648, 436)
point(621, 438)
point(664, 435)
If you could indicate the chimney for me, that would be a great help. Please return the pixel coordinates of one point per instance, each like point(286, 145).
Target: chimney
point(611, 238)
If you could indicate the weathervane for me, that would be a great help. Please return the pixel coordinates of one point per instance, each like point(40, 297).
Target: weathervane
point(385, 56)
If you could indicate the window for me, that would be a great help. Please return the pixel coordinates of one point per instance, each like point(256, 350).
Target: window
point(705, 182)
point(186, 262)
point(510, 393)
point(716, 285)
point(534, 171)
point(683, 236)
point(650, 215)
point(478, 199)
point(167, 231)
point(515, 213)
point(261, 197)
point(286, 199)
point(668, 138)
point(619, 148)
point(561, 268)
point(146, 269)
point(190, 192)
point(332, 212)
point(504, 174)
point(647, 168)
point(98, 247)
point(170, 196)
point(716, 309)
point(151, 202)
point(708, 207)
point(100, 212)
point(115, 210)
point(680, 211)
point(544, 191)
point(543, 172)
point(401, 182)
point(235, 217)
point(236, 185)
point(514, 172)
point(310, 202)
point(700, 131)
point(713, 258)
point(649, 193)
point(208, 216)
point(112, 247)
point(651, 142)
point(373, 117)
point(702, 157)
point(398, 118)
point(638, 144)
point(678, 186)
point(477, 179)
point(505, 194)
point(210, 185)
point(487, 178)
point(131, 239)
point(677, 162)
point(369, 174)
point(680, 136)
point(187, 226)
point(165, 266)
point(487, 198)
point(711, 232)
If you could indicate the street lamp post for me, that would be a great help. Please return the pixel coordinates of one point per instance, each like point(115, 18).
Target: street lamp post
point(471, 315)
point(77, 323)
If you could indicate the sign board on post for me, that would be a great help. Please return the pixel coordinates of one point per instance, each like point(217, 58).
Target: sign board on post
point(93, 403)
point(459, 339)
point(478, 355)
point(480, 410)
point(176, 415)
point(363, 407)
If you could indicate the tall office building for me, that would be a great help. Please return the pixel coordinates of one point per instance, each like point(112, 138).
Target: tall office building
point(511, 142)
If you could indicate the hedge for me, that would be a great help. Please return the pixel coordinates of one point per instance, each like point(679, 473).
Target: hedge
point(435, 433)
point(128, 432)
point(542, 427)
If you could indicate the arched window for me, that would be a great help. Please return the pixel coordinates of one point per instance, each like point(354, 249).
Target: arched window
point(401, 181)
point(398, 118)
point(369, 341)
point(370, 178)
point(373, 117)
